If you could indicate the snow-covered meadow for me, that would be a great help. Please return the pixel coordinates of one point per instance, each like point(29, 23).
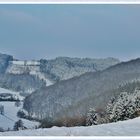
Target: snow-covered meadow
point(9, 118)
point(124, 128)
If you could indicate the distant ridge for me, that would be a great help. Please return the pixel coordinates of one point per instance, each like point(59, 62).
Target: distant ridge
point(29, 75)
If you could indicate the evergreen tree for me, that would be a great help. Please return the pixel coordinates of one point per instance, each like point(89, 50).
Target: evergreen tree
point(1, 129)
point(21, 114)
point(110, 106)
point(19, 125)
point(92, 117)
point(17, 103)
point(1, 109)
point(125, 106)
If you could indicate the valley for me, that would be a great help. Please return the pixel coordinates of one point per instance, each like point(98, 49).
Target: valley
point(21, 78)
point(61, 92)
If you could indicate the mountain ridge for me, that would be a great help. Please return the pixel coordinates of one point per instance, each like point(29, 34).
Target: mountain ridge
point(46, 72)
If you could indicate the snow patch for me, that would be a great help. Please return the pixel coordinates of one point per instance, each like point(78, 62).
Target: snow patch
point(26, 63)
point(29, 67)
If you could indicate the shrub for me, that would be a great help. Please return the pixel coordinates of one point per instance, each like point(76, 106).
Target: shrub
point(68, 122)
point(19, 125)
point(1, 129)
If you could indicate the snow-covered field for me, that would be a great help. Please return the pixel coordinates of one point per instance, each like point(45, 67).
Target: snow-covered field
point(124, 128)
point(9, 118)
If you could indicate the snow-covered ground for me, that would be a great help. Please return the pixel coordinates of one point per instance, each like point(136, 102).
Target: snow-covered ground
point(10, 111)
point(20, 67)
point(9, 118)
point(124, 128)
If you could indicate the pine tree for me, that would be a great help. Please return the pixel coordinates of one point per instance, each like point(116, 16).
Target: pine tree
point(1, 109)
point(92, 117)
point(17, 103)
point(1, 129)
point(21, 114)
point(19, 125)
point(125, 106)
point(110, 106)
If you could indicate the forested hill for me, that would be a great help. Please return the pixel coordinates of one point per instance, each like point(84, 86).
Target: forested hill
point(73, 97)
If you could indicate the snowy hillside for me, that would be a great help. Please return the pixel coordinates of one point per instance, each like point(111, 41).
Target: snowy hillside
point(9, 118)
point(63, 68)
point(30, 67)
point(124, 128)
point(27, 76)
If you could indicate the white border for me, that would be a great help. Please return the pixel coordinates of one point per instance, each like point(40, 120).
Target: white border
point(69, 2)
point(70, 137)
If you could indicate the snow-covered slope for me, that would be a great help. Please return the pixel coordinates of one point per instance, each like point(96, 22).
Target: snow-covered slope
point(124, 128)
point(63, 68)
point(9, 118)
point(27, 76)
point(30, 67)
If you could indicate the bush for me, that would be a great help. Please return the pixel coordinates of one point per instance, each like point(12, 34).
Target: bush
point(68, 122)
point(1, 129)
point(19, 126)
point(22, 114)
point(76, 121)
point(95, 117)
point(18, 103)
point(46, 123)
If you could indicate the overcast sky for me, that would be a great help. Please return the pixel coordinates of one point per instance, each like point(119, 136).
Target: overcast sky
point(48, 31)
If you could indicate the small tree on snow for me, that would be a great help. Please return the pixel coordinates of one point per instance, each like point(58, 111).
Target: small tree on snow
point(92, 117)
point(1, 129)
point(17, 103)
point(110, 106)
point(21, 114)
point(19, 125)
point(1, 109)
